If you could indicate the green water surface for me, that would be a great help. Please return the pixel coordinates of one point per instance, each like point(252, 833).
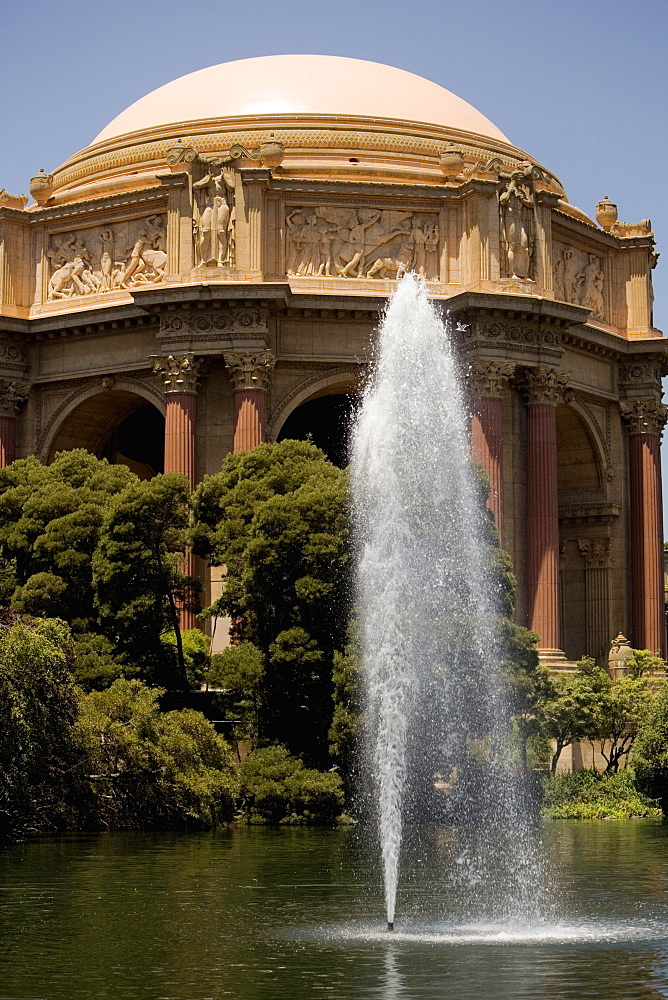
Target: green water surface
point(298, 913)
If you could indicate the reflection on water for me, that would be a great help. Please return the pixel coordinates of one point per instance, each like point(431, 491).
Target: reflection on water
point(296, 914)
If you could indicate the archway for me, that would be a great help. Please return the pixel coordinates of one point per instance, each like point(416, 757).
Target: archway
point(326, 420)
point(118, 425)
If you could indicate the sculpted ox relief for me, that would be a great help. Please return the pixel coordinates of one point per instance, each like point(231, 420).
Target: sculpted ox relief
point(329, 241)
point(94, 261)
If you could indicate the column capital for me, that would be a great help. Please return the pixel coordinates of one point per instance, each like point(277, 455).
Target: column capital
point(489, 378)
point(645, 416)
point(544, 386)
point(178, 373)
point(250, 370)
point(596, 552)
point(12, 397)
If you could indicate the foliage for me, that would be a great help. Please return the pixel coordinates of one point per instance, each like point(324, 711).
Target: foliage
point(149, 769)
point(239, 671)
point(37, 710)
point(96, 664)
point(137, 575)
point(650, 755)
point(621, 711)
point(279, 789)
point(347, 718)
point(276, 517)
point(50, 520)
point(571, 708)
point(589, 795)
point(196, 653)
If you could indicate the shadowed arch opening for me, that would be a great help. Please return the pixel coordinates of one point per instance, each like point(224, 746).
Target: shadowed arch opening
point(579, 469)
point(118, 425)
point(326, 420)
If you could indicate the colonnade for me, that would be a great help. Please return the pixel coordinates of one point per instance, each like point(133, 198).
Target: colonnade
point(543, 388)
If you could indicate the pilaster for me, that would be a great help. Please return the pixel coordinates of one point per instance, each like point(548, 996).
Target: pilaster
point(250, 373)
point(488, 382)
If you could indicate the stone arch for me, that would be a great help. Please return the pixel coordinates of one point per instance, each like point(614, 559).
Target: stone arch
point(339, 380)
point(583, 462)
point(89, 414)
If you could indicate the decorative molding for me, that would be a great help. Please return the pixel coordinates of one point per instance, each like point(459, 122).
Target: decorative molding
point(250, 371)
point(177, 374)
point(12, 397)
point(544, 386)
point(645, 416)
point(212, 325)
point(596, 552)
point(588, 513)
point(501, 333)
point(642, 376)
point(489, 378)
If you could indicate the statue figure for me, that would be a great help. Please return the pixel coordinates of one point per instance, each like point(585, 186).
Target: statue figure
point(107, 258)
point(214, 214)
point(516, 204)
point(593, 287)
point(572, 278)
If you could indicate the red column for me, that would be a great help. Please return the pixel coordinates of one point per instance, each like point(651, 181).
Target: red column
point(179, 376)
point(487, 429)
point(544, 388)
point(12, 396)
point(250, 374)
point(646, 419)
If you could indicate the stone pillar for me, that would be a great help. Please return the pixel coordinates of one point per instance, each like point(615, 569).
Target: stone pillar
point(179, 375)
point(646, 418)
point(596, 552)
point(12, 396)
point(544, 388)
point(250, 376)
point(488, 380)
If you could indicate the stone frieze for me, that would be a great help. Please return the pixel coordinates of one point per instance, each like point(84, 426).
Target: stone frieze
point(579, 280)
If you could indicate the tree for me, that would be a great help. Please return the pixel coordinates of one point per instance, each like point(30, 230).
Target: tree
point(239, 671)
point(50, 522)
point(650, 753)
point(38, 709)
point(622, 708)
point(278, 788)
point(137, 576)
point(571, 707)
point(276, 518)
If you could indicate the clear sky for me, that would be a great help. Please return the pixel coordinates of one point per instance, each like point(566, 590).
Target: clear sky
point(580, 84)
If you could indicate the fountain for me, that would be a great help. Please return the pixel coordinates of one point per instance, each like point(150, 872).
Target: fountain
point(438, 730)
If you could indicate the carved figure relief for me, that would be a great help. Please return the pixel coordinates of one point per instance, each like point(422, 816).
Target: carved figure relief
point(516, 203)
point(214, 214)
point(328, 241)
point(96, 261)
point(579, 280)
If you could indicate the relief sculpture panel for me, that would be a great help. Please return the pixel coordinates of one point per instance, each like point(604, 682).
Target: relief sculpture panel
point(333, 242)
point(578, 279)
point(94, 261)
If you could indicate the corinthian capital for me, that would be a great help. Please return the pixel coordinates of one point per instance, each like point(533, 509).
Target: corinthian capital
point(12, 396)
point(645, 416)
point(544, 385)
point(177, 373)
point(488, 378)
point(250, 371)
point(596, 552)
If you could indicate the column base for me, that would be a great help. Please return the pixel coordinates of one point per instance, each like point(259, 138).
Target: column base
point(555, 661)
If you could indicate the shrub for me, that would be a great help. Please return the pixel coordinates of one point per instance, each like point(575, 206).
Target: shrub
point(279, 789)
point(590, 795)
point(148, 769)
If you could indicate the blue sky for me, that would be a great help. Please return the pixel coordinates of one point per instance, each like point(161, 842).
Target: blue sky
point(580, 84)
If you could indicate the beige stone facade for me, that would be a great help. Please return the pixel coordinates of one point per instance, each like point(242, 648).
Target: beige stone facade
point(252, 252)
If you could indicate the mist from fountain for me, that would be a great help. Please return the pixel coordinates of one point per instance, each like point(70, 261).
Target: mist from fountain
point(438, 730)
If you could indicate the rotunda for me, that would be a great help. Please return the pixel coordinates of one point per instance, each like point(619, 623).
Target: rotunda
point(208, 273)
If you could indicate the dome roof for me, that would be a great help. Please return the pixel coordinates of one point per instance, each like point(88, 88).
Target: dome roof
point(302, 85)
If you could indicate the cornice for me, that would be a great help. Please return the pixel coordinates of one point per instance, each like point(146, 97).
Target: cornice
point(99, 205)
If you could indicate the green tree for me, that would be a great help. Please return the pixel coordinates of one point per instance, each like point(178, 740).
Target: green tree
point(50, 521)
point(650, 752)
point(239, 672)
point(276, 518)
point(148, 769)
point(570, 710)
point(137, 576)
point(278, 788)
point(38, 709)
point(622, 709)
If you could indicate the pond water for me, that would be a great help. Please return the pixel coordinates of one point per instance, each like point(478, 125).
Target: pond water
point(299, 913)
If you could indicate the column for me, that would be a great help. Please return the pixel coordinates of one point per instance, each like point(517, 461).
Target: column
point(250, 373)
point(646, 418)
point(544, 388)
point(488, 382)
point(12, 396)
point(179, 375)
point(596, 552)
